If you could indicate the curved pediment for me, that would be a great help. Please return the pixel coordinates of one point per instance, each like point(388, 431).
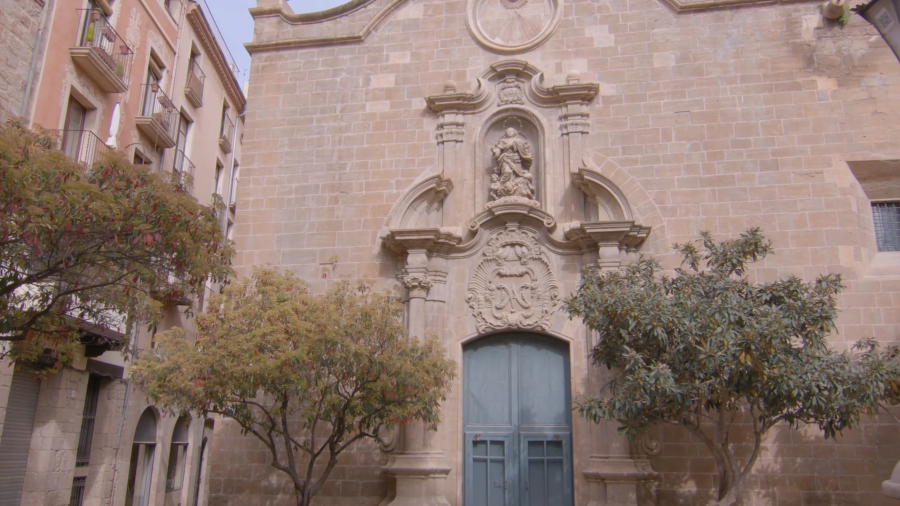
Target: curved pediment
point(420, 205)
point(608, 201)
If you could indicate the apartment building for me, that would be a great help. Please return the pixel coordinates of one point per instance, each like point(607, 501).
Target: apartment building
point(154, 80)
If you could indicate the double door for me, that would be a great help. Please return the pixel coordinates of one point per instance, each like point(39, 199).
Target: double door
point(517, 422)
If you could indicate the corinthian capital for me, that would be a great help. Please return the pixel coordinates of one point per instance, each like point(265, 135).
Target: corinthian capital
point(418, 284)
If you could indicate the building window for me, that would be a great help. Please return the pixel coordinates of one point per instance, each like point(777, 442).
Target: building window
point(140, 469)
point(177, 453)
point(77, 496)
point(74, 126)
point(180, 143)
point(89, 414)
point(220, 174)
point(232, 187)
point(886, 216)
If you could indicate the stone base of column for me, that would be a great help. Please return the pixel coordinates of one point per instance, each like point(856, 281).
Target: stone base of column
point(620, 481)
point(418, 479)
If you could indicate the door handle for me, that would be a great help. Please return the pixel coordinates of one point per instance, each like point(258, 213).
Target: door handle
point(526, 486)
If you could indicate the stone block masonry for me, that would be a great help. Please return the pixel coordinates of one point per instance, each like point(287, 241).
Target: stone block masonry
point(713, 120)
point(19, 23)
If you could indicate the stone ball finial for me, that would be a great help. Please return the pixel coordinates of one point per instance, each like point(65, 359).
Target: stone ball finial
point(449, 87)
point(573, 77)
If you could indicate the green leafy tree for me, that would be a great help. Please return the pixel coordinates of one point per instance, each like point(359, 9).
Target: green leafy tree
point(307, 375)
point(103, 244)
point(708, 350)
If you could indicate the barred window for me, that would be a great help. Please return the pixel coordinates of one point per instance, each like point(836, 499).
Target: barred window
point(77, 496)
point(886, 216)
point(89, 415)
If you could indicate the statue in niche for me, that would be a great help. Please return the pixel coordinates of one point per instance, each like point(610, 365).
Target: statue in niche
point(512, 175)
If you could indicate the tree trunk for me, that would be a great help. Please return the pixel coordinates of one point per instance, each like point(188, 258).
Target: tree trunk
point(301, 497)
point(729, 498)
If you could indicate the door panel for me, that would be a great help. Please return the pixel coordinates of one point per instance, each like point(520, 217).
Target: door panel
point(547, 462)
point(517, 416)
point(489, 471)
point(544, 395)
point(491, 392)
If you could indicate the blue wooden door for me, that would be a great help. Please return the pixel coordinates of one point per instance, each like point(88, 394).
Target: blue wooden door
point(517, 433)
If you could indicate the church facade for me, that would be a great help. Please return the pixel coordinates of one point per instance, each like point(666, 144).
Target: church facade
point(478, 154)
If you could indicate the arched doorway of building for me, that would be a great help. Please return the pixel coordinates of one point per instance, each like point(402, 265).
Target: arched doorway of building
point(517, 422)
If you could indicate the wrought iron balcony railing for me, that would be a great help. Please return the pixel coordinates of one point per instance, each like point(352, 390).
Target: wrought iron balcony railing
point(193, 89)
point(83, 146)
point(102, 53)
point(158, 116)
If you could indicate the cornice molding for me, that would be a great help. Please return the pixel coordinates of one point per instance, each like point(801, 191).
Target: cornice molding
point(198, 22)
point(317, 17)
point(285, 12)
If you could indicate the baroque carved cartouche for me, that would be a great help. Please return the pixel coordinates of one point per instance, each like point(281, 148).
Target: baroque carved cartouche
point(513, 285)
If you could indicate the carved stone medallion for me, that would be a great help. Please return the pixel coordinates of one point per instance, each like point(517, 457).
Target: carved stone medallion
point(509, 91)
point(513, 285)
point(512, 26)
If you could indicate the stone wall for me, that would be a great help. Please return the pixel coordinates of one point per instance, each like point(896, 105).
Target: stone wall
point(723, 119)
point(19, 24)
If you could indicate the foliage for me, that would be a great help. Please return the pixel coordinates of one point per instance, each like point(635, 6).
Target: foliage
point(707, 349)
point(307, 375)
point(79, 244)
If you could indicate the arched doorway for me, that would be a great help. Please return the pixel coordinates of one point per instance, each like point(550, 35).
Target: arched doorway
point(517, 422)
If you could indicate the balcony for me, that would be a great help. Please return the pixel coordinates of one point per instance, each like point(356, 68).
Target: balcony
point(226, 134)
point(193, 89)
point(82, 146)
point(158, 115)
point(102, 53)
point(184, 172)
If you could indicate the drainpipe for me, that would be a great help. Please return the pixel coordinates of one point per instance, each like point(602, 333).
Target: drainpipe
point(34, 60)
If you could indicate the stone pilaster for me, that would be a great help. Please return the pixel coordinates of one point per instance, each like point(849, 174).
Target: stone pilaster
point(419, 469)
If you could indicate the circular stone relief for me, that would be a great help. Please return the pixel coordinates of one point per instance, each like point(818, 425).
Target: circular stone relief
point(512, 26)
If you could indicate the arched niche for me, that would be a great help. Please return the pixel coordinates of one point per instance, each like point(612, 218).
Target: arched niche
point(531, 128)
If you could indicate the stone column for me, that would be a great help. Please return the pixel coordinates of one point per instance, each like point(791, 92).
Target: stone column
point(420, 468)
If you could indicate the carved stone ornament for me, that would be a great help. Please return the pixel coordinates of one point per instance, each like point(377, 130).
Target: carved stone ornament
point(417, 284)
point(512, 174)
point(512, 26)
point(513, 286)
point(510, 91)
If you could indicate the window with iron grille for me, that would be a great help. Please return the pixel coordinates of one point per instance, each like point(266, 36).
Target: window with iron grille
point(886, 216)
point(91, 398)
point(77, 496)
